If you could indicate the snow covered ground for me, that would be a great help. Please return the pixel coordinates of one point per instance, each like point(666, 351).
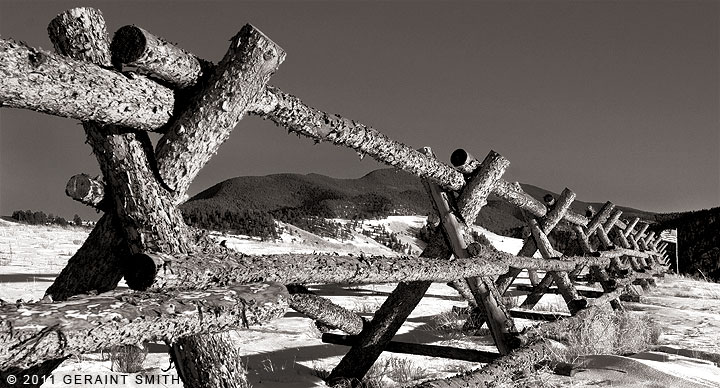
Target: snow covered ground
point(289, 353)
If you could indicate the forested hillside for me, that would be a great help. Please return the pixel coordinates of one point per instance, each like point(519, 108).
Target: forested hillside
point(698, 240)
point(297, 199)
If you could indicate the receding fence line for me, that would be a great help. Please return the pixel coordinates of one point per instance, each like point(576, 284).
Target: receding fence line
point(181, 285)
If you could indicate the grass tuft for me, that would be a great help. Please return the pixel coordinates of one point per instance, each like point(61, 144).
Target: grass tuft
point(127, 358)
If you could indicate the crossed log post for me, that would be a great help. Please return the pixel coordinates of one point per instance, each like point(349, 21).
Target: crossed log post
point(487, 299)
point(547, 224)
point(144, 185)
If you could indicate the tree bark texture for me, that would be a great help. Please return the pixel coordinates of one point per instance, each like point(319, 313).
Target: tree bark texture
point(464, 162)
point(37, 332)
point(419, 349)
point(474, 195)
point(198, 270)
point(49, 83)
point(327, 312)
point(547, 224)
point(566, 287)
point(155, 57)
point(148, 218)
point(487, 299)
point(210, 361)
point(387, 320)
point(97, 265)
point(195, 136)
point(379, 332)
point(80, 33)
point(289, 112)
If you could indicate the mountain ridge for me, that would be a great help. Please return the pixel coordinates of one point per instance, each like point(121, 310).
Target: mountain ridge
point(378, 193)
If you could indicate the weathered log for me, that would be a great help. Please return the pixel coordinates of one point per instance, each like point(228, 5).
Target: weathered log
point(37, 332)
point(327, 312)
point(479, 186)
point(291, 113)
point(44, 82)
point(147, 216)
point(154, 56)
point(641, 232)
point(487, 299)
point(197, 270)
point(96, 266)
point(503, 370)
point(197, 133)
point(599, 218)
point(537, 315)
point(86, 190)
point(418, 349)
point(80, 33)
point(388, 319)
point(612, 220)
point(210, 361)
point(554, 290)
point(463, 161)
point(513, 193)
point(649, 238)
point(200, 270)
point(379, 332)
point(566, 287)
point(629, 229)
point(547, 224)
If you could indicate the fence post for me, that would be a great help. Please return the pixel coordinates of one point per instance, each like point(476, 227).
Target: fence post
point(469, 203)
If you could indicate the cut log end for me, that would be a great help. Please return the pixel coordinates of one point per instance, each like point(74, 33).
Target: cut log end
point(141, 269)
point(128, 45)
point(83, 188)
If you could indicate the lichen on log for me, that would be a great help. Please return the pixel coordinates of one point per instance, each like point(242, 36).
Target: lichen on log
point(327, 312)
point(146, 215)
point(197, 133)
point(49, 83)
point(32, 333)
point(153, 56)
point(480, 185)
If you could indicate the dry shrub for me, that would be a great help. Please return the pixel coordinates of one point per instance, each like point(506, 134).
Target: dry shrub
point(403, 370)
point(606, 332)
point(127, 358)
point(448, 324)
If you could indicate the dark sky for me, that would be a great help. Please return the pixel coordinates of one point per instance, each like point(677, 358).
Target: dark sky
point(615, 100)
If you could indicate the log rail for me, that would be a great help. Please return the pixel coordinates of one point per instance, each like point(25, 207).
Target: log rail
point(183, 291)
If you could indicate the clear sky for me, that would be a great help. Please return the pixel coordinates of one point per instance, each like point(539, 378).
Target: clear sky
point(615, 100)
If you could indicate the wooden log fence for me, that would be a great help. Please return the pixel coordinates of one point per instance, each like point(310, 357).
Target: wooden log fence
point(188, 289)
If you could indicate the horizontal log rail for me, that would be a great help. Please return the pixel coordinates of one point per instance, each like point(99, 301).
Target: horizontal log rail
point(326, 312)
point(554, 290)
point(203, 270)
point(50, 83)
point(471, 355)
point(36, 332)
